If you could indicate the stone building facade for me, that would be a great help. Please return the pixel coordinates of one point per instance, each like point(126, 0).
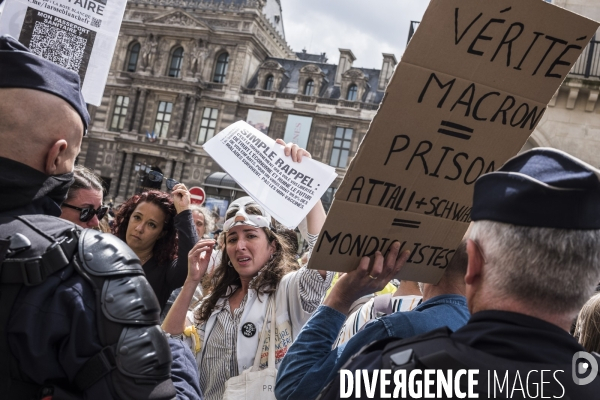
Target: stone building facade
point(185, 69)
point(572, 121)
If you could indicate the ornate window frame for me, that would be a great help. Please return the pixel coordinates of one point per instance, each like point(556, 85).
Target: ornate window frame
point(270, 68)
point(351, 77)
point(130, 53)
point(221, 67)
point(176, 72)
point(311, 72)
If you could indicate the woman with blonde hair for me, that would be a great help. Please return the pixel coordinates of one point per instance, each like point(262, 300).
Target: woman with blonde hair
point(587, 330)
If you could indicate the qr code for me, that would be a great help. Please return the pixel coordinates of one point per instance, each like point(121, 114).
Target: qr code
point(96, 22)
point(61, 47)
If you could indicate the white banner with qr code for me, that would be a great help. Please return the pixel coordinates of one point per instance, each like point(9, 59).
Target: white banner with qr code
point(79, 35)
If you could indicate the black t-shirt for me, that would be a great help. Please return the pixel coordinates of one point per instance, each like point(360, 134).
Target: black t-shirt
point(166, 278)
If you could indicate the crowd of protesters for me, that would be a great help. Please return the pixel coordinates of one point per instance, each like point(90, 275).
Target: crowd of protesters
point(520, 280)
point(220, 306)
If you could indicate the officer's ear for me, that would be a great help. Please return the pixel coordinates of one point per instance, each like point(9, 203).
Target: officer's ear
point(475, 264)
point(55, 158)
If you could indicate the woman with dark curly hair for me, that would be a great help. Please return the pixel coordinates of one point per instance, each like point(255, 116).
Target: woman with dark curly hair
point(256, 268)
point(160, 230)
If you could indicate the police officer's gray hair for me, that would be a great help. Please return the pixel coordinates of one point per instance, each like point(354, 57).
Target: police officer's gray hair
point(555, 270)
point(209, 220)
point(85, 178)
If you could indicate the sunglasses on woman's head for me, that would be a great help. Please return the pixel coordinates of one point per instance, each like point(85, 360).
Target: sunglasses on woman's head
point(87, 213)
point(155, 176)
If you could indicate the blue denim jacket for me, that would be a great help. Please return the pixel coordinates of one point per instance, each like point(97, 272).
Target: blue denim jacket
point(184, 371)
point(310, 363)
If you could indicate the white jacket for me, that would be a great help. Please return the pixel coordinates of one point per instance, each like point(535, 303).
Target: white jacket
point(290, 319)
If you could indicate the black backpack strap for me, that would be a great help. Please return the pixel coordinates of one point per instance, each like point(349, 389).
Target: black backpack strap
point(4, 245)
point(407, 359)
point(395, 355)
point(96, 368)
point(14, 274)
point(33, 271)
point(8, 367)
point(390, 353)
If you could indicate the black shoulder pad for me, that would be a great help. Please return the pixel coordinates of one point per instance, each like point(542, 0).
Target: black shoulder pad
point(46, 226)
point(104, 254)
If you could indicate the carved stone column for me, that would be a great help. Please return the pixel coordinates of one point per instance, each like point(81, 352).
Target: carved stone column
point(177, 170)
point(176, 117)
point(138, 118)
point(189, 118)
point(120, 159)
point(125, 181)
point(134, 95)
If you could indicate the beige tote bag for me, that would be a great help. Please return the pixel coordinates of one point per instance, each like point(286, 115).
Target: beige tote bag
point(253, 383)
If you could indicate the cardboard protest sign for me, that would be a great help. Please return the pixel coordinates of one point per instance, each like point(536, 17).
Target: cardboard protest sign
point(471, 87)
point(288, 190)
point(79, 35)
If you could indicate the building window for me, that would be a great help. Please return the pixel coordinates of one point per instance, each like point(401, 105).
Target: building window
point(132, 60)
point(208, 124)
point(163, 118)
point(119, 113)
point(221, 69)
point(269, 83)
point(309, 88)
point(341, 147)
point(176, 60)
point(352, 93)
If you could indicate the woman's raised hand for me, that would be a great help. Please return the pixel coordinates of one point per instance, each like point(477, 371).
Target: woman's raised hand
point(198, 259)
point(293, 150)
point(181, 197)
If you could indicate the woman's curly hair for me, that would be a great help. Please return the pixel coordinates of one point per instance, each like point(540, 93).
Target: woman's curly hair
point(165, 248)
point(217, 283)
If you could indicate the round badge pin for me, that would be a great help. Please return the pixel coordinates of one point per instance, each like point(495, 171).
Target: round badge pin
point(248, 329)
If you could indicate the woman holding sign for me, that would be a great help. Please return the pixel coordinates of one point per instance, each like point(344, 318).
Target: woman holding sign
point(256, 270)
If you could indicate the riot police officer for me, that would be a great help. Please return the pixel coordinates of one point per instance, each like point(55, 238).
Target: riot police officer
point(77, 317)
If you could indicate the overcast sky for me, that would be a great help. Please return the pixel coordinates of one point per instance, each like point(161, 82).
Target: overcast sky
point(367, 27)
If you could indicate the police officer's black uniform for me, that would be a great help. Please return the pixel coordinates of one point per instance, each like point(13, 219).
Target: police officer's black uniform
point(78, 318)
point(492, 342)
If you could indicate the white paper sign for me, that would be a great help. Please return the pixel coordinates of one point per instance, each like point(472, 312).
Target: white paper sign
point(288, 190)
point(79, 35)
